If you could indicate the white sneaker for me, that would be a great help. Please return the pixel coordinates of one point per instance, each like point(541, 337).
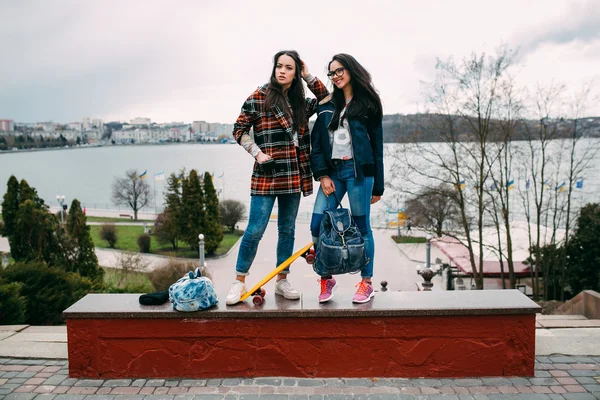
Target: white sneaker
point(237, 290)
point(285, 289)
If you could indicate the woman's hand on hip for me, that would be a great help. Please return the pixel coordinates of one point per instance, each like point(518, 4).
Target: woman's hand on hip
point(375, 199)
point(262, 157)
point(327, 185)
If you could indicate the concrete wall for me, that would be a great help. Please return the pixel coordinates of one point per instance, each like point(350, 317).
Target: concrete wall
point(586, 303)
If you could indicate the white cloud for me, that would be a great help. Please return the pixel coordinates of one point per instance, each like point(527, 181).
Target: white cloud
point(191, 60)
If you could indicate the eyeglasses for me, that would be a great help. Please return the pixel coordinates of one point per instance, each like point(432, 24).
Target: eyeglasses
point(337, 72)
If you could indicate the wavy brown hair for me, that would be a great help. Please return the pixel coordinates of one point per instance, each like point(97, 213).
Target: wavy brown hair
point(295, 93)
point(365, 99)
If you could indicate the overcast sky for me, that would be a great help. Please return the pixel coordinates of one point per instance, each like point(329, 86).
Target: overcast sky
point(63, 60)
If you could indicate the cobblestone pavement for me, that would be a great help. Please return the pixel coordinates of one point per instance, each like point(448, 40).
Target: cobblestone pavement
point(556, 377)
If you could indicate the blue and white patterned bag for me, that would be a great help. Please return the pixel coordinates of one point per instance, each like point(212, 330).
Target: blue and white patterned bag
point(193, 292)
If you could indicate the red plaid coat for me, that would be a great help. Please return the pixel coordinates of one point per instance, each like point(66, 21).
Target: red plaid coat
point(273, 133)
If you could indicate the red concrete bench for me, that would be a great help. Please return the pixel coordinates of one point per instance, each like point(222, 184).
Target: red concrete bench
point(398, 334)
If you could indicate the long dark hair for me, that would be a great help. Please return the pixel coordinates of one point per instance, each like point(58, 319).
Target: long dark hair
point(365, 99)
point(295, 93)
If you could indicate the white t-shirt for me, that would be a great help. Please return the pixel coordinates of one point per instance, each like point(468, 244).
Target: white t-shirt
point(341, 141)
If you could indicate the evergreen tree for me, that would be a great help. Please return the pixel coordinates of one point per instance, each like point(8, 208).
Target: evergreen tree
point(32, 236)
point(584, 251)
point(213, 232)
point(26, 192)
point(35, 237)
point(192, 207)
point(83, 258)
point(172, 221)
point(10, 206)
point(33, 231)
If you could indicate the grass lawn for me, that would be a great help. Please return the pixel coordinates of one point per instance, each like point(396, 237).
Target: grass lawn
point(127, 240)
point(126, 237)
point(110, 219)
point(137, 281)
point(409, 239)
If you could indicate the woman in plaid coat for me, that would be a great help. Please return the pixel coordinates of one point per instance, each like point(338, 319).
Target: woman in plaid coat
point(278, 113)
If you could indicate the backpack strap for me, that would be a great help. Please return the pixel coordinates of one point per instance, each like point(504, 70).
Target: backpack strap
point(339, 203)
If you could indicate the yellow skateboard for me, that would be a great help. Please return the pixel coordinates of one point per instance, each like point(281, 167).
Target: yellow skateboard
point(259, 293)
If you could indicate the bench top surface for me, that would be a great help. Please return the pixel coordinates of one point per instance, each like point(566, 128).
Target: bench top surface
point(384, 304)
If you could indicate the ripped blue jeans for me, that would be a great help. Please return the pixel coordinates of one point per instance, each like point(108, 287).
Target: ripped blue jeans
point(359, 195)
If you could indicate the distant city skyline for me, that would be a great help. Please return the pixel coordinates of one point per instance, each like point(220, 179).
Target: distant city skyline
point(118, 60)
point(98, 121)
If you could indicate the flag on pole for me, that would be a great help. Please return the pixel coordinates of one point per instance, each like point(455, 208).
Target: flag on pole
point(159, 176)
point(143, 175)
point(179, 178)
point(579, 183)
point(511, 184)
point(461, 185)
point(547, 184)
point(528, 184)
point(561, 187)
point(493, 186)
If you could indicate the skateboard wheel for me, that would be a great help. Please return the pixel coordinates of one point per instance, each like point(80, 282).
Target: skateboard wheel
point(310, 257)
point(263, 292)
point(257, 300)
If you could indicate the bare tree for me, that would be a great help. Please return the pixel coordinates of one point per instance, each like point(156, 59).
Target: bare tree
point(558, 155)
point(131, 191)
point(500, 160)
point(464, 99)
point(536, 159)
point(581, 152)
point(231, 212)
point(433, 209)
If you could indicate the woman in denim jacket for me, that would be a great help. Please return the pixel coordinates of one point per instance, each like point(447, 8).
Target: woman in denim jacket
point(347, 157)
point(278, 112)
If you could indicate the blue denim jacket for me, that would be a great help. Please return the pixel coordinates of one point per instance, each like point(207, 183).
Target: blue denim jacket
point(367, 146)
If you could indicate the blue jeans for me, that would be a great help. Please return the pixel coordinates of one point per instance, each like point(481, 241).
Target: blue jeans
point(359, 195)
point(260, 212)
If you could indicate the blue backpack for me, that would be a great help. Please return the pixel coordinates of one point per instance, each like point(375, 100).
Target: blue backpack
point(193, 292)
point(341, 248)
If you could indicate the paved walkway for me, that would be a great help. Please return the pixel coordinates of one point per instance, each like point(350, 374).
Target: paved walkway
point(391, 264)
point(556, 377)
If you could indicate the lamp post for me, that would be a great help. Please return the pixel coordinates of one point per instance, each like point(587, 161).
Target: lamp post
point(61, 201)
point(428, 251)
point(201, 250)
point(427, 274)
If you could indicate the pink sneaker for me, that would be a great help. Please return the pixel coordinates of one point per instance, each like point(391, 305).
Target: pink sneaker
point(364, 293)
point(328, 286)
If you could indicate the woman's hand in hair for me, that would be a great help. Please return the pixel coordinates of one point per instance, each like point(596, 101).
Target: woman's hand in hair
point(375, 199)
point(327, 185)
point(304, 71)
point(262, 157)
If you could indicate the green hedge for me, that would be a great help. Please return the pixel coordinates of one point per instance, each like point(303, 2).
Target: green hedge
point(13, 305)
point(48, 290)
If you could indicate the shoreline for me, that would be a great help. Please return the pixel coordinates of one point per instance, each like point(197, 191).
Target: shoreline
point(105, 145)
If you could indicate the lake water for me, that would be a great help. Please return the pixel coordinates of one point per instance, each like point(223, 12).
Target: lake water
point(88, 173)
